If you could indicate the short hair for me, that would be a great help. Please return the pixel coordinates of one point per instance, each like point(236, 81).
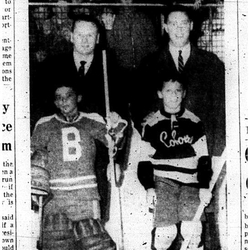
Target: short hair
point(178, 8)
point(86, 18)
point(74, 87)
point(172, 77)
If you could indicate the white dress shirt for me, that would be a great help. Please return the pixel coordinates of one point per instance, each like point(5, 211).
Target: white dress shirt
point(88, 60)
point(174, 51)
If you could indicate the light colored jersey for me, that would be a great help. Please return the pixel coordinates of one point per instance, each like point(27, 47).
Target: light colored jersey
point(71, 151)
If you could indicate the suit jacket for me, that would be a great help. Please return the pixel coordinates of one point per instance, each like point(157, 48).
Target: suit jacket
point(205, 76)
point(61, 69)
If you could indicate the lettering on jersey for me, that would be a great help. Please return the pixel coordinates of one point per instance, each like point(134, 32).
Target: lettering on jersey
point(71, 144)
point(175, 141)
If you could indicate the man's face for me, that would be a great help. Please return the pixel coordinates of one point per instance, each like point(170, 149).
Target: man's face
point(84, 37)
point(178, 27)
point(66, 100)
point(172, 95)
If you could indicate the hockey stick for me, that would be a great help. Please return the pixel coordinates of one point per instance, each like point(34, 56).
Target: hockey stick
point(107, 107)
point(40, 219)
point(111, 145)
point(217, 170)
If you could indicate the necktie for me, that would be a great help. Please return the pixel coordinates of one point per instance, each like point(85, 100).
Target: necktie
point(180, 62)
point(81, 69)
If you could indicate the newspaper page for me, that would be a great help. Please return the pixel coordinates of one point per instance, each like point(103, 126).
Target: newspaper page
point(21, 225)
point(15, 181)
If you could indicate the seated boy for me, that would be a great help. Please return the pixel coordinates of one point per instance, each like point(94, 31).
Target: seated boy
point(68, 138)
point(177, 174)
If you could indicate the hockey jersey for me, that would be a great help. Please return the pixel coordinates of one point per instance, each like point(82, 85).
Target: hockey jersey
point(71, 151)
point(179, 141)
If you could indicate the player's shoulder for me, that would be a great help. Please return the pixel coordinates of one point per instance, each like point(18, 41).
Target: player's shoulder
point(153, 118)
point(93, 117)
point(191, 116)
point(45, 120)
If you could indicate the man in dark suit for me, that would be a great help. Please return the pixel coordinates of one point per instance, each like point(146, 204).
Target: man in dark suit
point(204, 73)
point(203, 70)
point(87, 49)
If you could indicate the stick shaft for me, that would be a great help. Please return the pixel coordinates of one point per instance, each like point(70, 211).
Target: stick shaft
point(40, 218)
point(198, 214)
point(106, 87)
point(111, 143)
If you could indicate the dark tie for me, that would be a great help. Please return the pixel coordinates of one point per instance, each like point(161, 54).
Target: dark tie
point(81, 69)
point(180, 62)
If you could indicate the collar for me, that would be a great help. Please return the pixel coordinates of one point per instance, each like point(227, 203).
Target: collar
point(185, 49)
point(173, 118)
point(174, 51)
point(69, 119)
point(78, 59)
point(168, 115)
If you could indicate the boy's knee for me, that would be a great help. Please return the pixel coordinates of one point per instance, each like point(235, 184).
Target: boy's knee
point(164, 236)
point(192, 230)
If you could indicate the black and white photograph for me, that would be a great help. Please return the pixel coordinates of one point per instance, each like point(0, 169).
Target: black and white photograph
point(130, 125)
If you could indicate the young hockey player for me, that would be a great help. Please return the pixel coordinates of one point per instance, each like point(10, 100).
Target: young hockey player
point(68, 138)
point(177, 174)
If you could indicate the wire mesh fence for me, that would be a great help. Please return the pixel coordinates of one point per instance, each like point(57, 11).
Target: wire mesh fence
point(212, 38)
point(50, 26)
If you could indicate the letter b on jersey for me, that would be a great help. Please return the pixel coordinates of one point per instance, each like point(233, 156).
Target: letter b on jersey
point(71, 144)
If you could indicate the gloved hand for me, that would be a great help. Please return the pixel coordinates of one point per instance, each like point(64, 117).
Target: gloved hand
point(115, 129)
point(114, 118)
point(205, 171)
